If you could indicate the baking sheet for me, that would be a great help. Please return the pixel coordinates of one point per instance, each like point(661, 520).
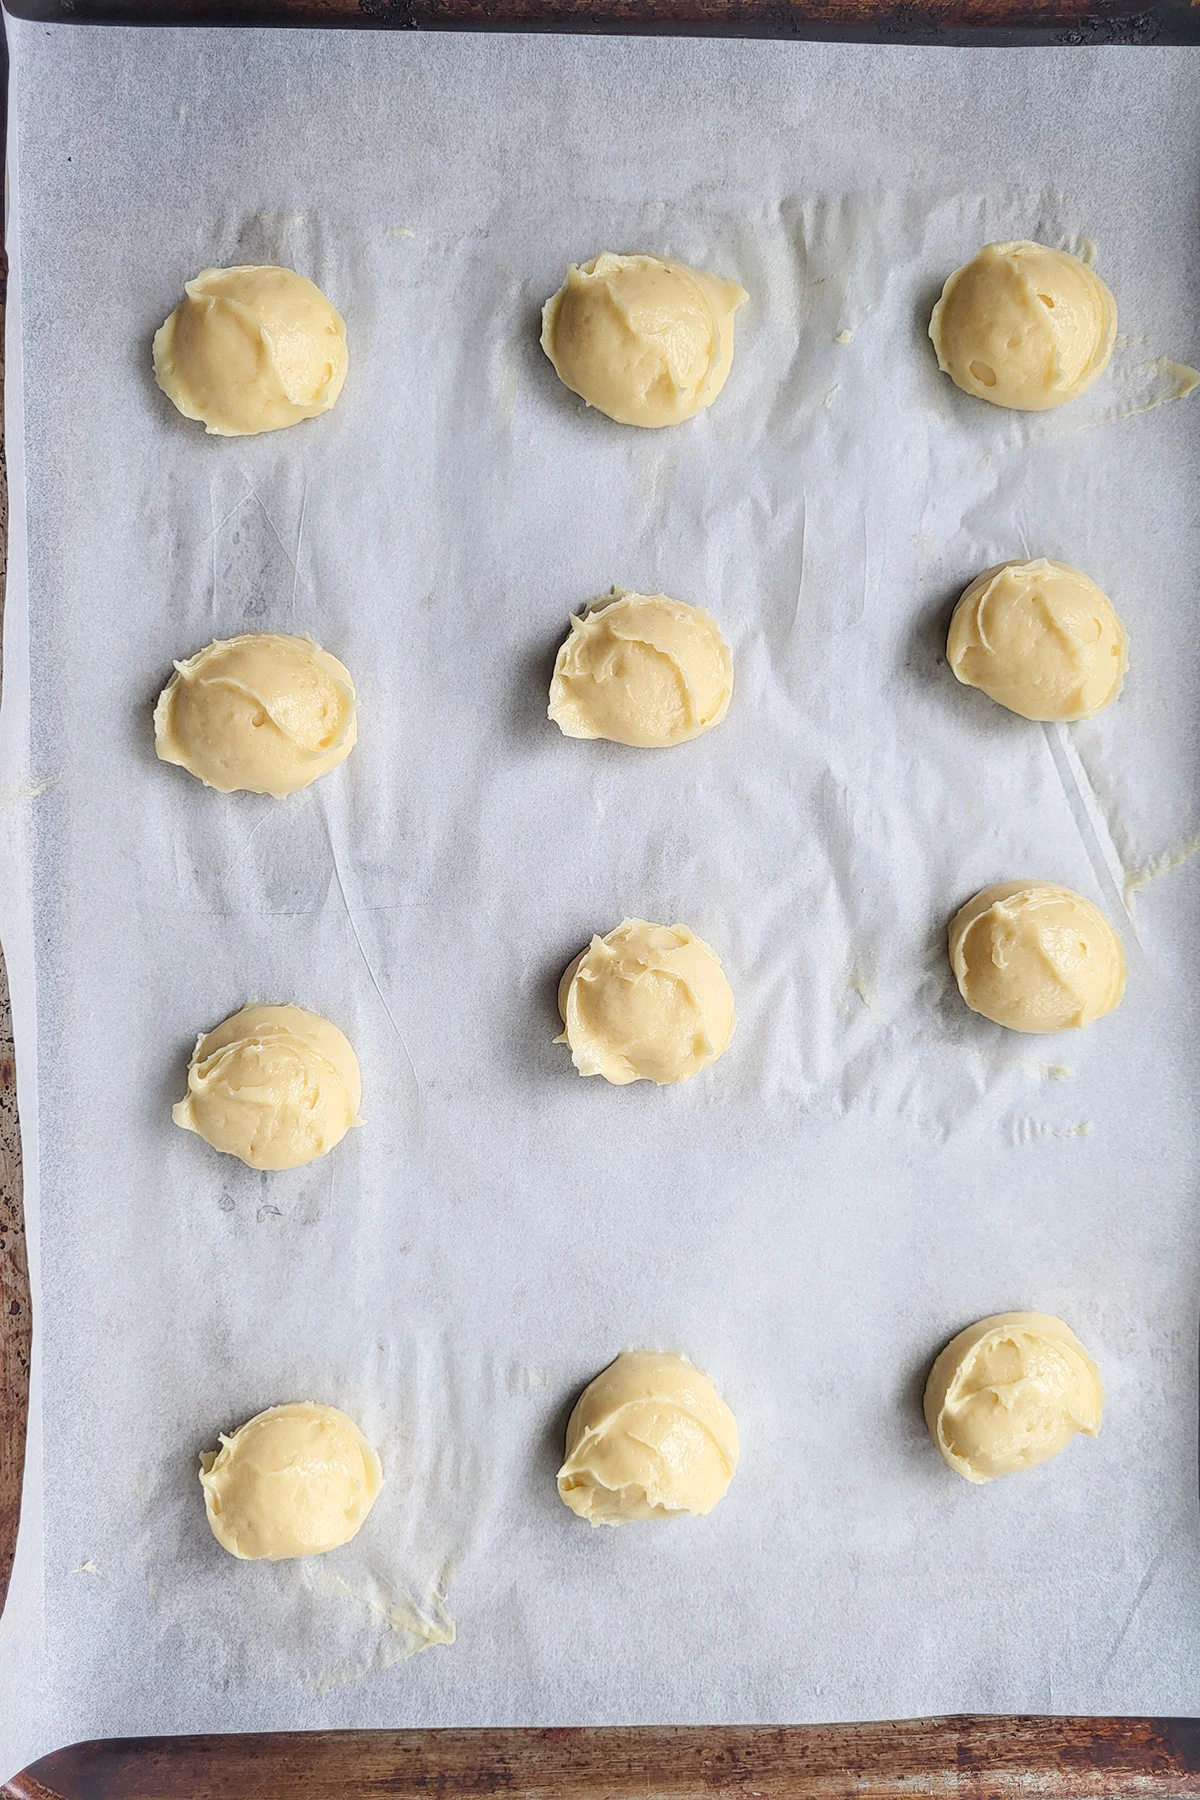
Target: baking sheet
point(870, 1166)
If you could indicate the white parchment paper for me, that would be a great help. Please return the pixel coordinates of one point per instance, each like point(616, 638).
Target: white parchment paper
point(870, 1167)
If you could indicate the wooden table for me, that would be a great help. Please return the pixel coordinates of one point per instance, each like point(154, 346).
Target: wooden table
point(953, 1759)
point(973, 22)
point(14, 1274)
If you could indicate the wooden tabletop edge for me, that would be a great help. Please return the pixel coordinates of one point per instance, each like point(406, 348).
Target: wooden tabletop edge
point(967, 1758)
point(943, 22)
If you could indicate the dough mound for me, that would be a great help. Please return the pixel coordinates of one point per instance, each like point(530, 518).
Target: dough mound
point(644, 339)
point(1011, 1392)
point(258, 714)
point(645, 1003)
point(251, 349)
point(1024, 326)
point(274, 1085)
point(1041, 639)
point(650, 1438)
point(641, 669)
point(1036, 957)
point(293, 1481)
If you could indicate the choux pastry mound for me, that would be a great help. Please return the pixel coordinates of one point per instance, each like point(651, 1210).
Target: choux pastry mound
point(1036, 957)
point(641, 669)
point(1011, 1392)
point(1040, 639)
point(249, 349)
point(650, 1438)
point(263, 713)
point(275, 1086)
point(646, 340)
point(645, 1003)
point(1024, 326)
point(296, 1480)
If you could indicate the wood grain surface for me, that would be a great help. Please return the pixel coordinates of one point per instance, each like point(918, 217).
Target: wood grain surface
point(14, 1302)
point(15, 1321)
point(953, 1759)
point(872, 21)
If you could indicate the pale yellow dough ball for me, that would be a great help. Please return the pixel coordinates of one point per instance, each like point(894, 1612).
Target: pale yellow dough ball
point(250, 349)
point(1024, 326)
point(1039, 638)
point(275, 1086)
point(293, 1481)
point(1011, 1392)
point(262, 714)
point(643, 339)
point(650, 1438)
point(1036, 957)
point(641, 669)
point(646, 1003)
